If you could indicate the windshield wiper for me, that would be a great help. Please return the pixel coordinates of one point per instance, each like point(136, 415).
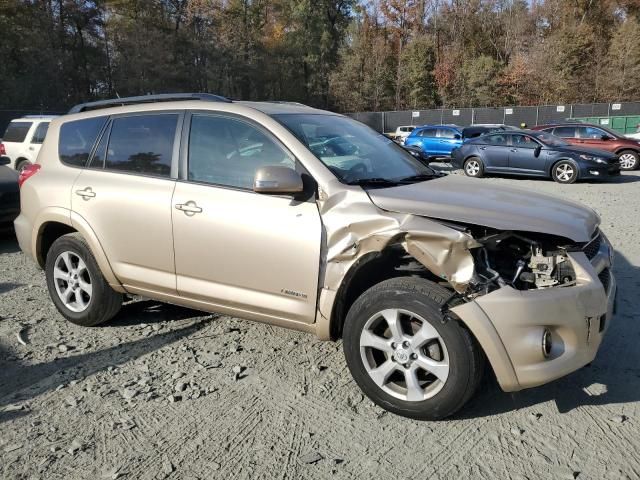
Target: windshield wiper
point(377, 181)
point(420, 176)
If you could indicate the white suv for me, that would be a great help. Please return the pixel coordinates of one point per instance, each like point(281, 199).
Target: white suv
point(22, 139)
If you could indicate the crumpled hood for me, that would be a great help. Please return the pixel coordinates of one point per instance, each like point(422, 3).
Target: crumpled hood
point(479, 202)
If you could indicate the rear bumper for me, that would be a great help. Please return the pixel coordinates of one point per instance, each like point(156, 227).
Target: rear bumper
point(24, 234)
point(509, 324)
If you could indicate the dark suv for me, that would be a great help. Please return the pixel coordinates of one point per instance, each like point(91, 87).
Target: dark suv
point(597, 136)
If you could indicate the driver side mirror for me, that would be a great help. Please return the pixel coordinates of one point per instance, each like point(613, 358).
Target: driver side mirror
point(5, 160)
point(278, 180)
point(537, 150)
point(606, 137)
point(457, 136)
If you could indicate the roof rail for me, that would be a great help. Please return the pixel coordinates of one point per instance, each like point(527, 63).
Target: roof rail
point(163, 97)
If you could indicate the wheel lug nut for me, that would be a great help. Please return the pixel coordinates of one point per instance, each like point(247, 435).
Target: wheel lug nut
point(414, 356)
point(405, 344)
point(393, 345)
point(406, 365)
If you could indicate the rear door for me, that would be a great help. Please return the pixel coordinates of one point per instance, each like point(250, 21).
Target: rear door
point(125, 196)
point(428, 140)
point(447, 141)
point(494, 151)
point(568, 134)
point(522, 155)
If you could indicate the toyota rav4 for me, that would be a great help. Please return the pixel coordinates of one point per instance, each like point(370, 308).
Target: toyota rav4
point(288, 215)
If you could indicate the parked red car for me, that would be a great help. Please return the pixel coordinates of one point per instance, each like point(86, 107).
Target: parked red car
point(597, 136)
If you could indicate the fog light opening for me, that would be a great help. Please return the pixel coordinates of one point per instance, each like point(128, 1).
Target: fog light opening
point(547, 343)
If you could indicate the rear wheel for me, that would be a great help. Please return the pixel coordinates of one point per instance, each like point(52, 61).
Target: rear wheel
point(473, 167)
point(565, 172)
point(405, 355)
point(76, 285)
point(629, 160)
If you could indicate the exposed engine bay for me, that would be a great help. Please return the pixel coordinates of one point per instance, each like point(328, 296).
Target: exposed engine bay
point(524, 262)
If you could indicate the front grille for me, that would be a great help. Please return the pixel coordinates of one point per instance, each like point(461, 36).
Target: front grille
point(605, 278)
point(592, 248)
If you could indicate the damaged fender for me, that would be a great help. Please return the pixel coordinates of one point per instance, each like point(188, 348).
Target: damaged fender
point(443, 250)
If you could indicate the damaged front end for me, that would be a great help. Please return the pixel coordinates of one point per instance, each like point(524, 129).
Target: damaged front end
point(537, 303)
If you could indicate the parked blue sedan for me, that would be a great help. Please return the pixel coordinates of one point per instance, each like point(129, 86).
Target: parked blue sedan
point(533, 153)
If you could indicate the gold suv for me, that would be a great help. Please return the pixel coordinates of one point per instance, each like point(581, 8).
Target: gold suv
point(288, 215)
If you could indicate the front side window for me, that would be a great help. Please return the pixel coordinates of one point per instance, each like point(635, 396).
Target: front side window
point(565, 132)
point(523, 141)
point(446, 133)
point(226, 151)
point(39, 134)
point(77, 139)
point(16, 132)
point(353, 152)
point(142, 144)
point(590, 133)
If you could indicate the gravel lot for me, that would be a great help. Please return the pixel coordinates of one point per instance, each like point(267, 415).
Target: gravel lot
point(166, 392)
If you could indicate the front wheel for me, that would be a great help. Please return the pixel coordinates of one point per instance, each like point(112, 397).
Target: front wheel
point(76, 285)
point(565, 172)
point(22, 164)
point(473, 167)
point(403, 353)
point(629, 160)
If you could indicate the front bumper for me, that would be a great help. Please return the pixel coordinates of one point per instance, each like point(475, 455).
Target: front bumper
point(509, 324)
point(599, 171)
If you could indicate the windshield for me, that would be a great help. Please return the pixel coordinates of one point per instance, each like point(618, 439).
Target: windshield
point(550, 140)
point(355, 153)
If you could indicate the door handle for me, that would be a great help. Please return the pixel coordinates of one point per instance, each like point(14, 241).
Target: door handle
point(483, 148)
point(87, 193)
point(513, 150)
point(190, 208)
point(30, 148)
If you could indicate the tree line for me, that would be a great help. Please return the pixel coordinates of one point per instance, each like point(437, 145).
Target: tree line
point(345, 55)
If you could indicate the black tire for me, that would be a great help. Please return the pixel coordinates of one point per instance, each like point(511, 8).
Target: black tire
point(423, 298)
point(104, 302)
point(560, 177)
point(21, 163)
point(469, 171)
point(632, 156)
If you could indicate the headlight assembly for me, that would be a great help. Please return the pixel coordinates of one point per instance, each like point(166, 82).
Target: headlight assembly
point(591, 158)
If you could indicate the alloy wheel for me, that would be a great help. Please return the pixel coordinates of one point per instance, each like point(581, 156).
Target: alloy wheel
point(472, 168)
point(564, 172)
point(404, 355)
point(72, 281)
point(627, 161)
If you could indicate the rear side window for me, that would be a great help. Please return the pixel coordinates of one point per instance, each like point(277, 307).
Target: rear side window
point(427, 132)
point(41, 131)
point(498, 139)
point(565, 132)
point(142, 144)
point(16, 132)
point(590, 133)
point(77, 139)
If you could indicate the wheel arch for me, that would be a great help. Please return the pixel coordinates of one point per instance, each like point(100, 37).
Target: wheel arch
point(56, 224)
point(618, 151)
point(369, 270)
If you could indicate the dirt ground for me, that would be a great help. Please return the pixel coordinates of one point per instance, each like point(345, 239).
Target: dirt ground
point(166, 392)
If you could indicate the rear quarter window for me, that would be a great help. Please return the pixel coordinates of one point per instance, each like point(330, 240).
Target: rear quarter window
point(16, 132)
point(77, 139)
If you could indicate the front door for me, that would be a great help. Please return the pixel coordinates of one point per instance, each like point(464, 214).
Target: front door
point(255, 254)
point(495, 152)
point(125, 196)
point(522, 155)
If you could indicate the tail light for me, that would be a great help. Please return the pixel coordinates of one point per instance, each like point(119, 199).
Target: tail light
point(27, 172)
point(3, 151)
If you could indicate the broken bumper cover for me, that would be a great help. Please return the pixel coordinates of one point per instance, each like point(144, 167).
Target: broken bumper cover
point(510, 324)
